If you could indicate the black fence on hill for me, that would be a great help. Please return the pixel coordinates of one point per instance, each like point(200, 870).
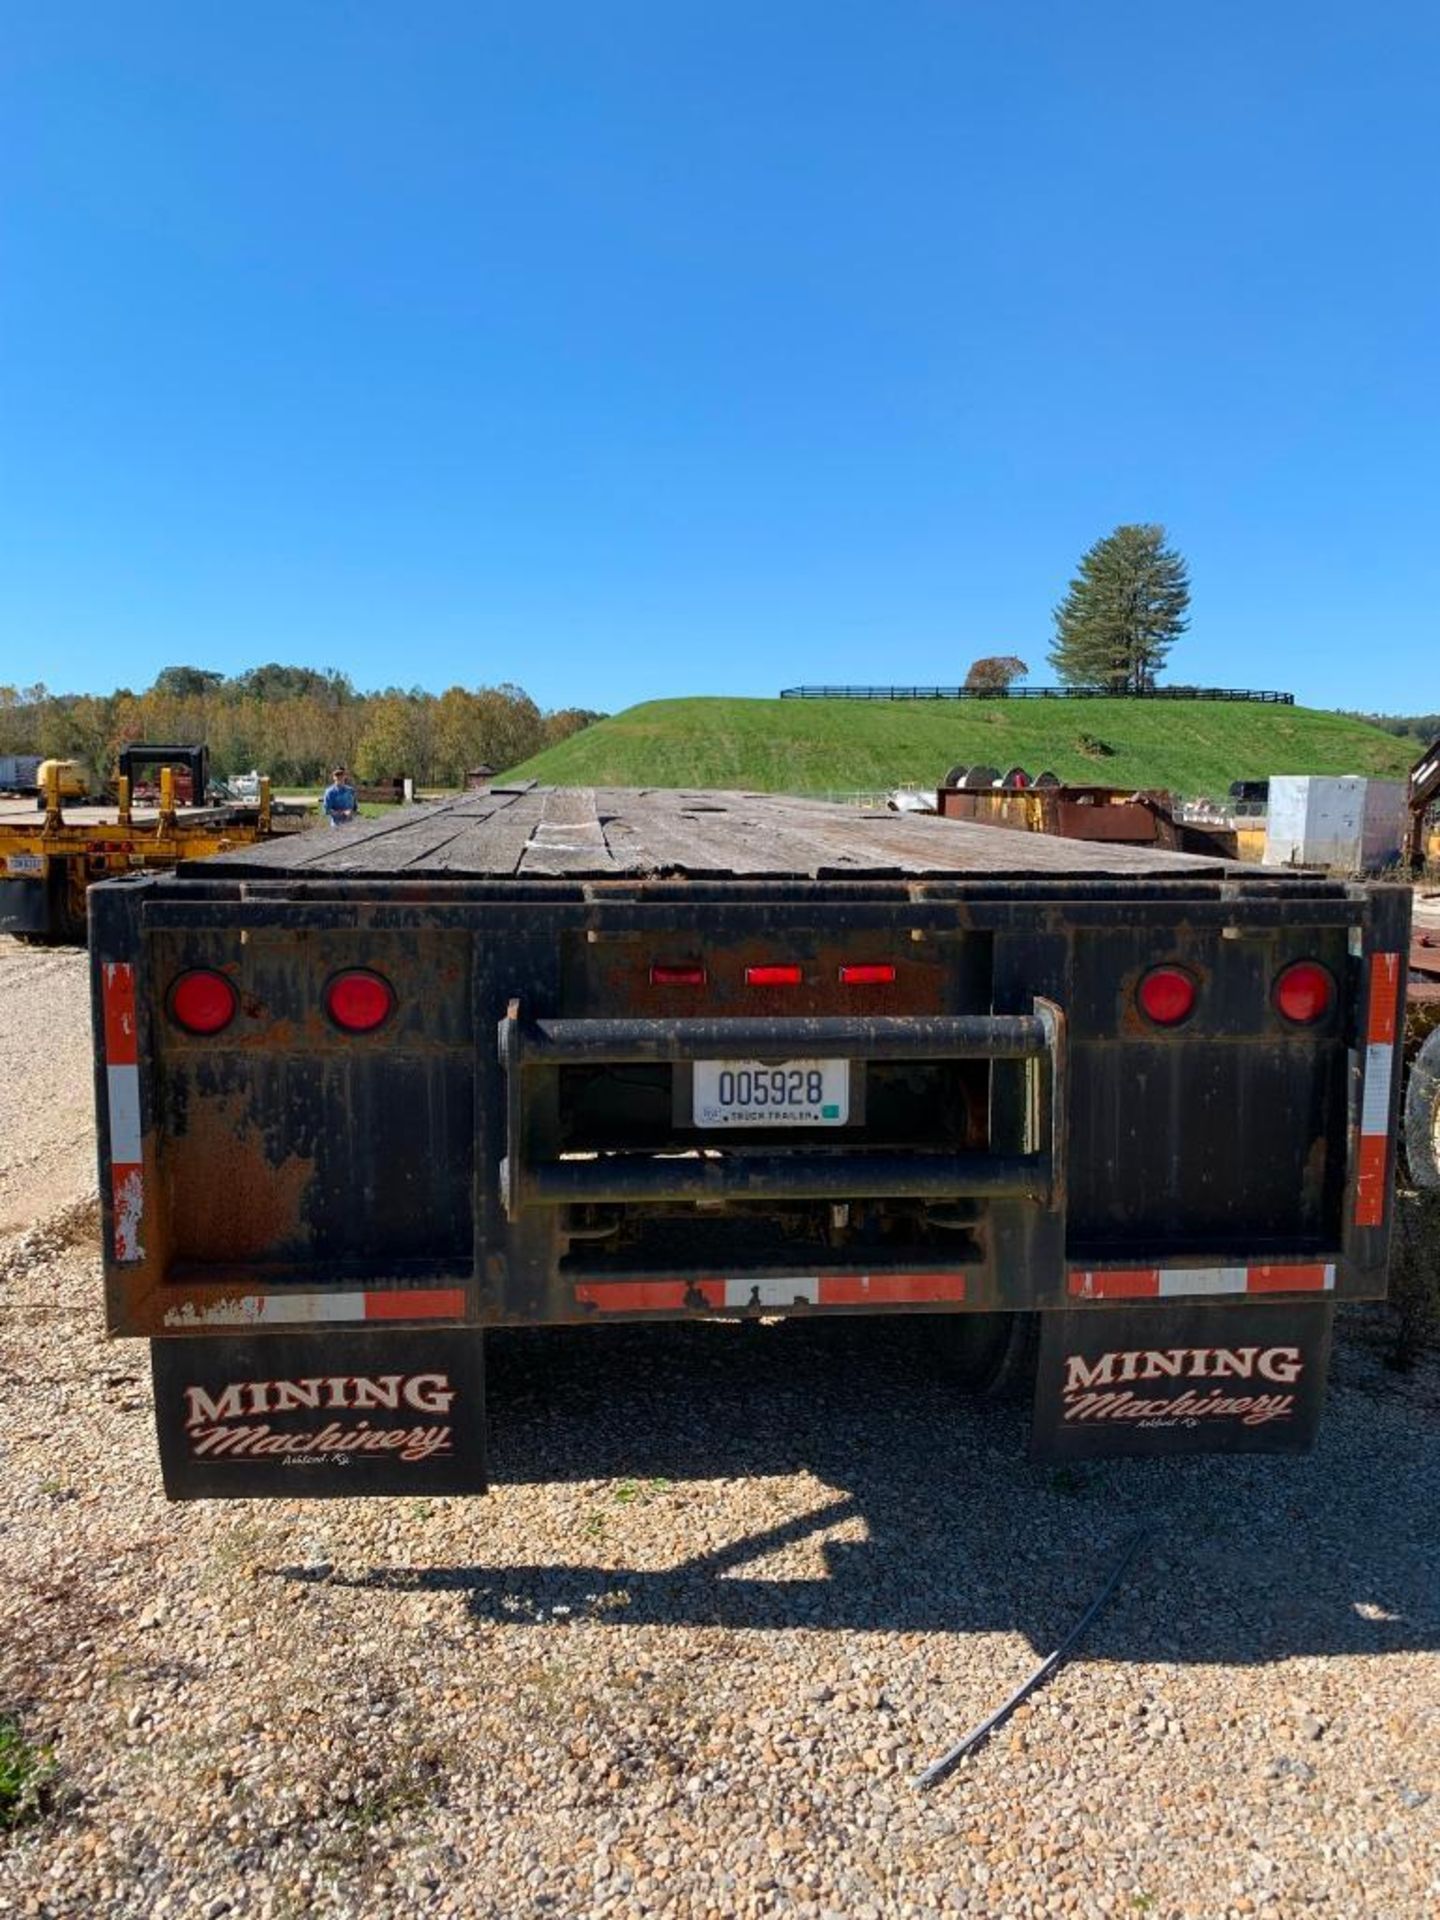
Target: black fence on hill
point(1268, 698)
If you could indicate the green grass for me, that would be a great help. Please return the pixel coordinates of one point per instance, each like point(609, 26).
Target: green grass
point(25, 1775)
point(836, 746)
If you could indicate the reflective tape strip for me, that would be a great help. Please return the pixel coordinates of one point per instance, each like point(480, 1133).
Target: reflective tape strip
point(772, 1293)
point(117, 998)
point(651, 1296)
point(416, 1303)
point(1168, 1283)
point(1382, 1021)
point(776, 1291)
point(1115, 1283)
point(1381, 1026)
point(1319, 1278)
point(890, 1289)
point(122, 1104)
point(299, 1309)
point(123, 1098)
point(1175, 1280)
point(1375, 1101)
point(127, 1196)
point(1370, 1180)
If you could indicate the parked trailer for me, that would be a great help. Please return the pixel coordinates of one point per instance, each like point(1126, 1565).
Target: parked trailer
point(545, 1057)
point(20, 772)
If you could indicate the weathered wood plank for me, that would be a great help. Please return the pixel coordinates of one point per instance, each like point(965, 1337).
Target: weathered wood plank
point(609, 832)
point(405, 844)
point(569, 838)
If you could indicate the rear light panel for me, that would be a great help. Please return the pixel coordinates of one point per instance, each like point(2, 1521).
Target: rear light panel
point(359, 1000)
point(774, 973)
point(202, 1001)
point(1304, 992)
point(1167, 996)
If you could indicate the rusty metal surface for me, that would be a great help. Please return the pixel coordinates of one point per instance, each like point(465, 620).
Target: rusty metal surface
point(1110, 815)
point(1092, 814)
point(1422, 989)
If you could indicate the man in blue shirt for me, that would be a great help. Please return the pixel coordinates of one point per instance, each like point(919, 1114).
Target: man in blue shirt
point(338, 800)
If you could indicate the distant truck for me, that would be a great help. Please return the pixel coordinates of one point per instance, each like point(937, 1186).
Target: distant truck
point(20, 772)
point(537, 1058)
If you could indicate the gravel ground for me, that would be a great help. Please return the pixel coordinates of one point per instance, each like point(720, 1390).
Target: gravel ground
point(734, 1587)
point(47, 1105)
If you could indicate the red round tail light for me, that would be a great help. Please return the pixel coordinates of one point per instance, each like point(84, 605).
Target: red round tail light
point(203, 1001)
point(359, 1001)
point(1305, 992)
point(1167, 996)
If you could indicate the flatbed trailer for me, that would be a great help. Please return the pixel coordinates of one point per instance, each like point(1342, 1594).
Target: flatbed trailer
point(541, 1057)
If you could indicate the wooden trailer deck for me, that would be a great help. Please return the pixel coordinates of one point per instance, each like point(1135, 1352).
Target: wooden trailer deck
point(597, 833)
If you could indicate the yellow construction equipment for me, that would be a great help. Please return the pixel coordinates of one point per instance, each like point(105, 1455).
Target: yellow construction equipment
point(72, 777)
point(46, 866)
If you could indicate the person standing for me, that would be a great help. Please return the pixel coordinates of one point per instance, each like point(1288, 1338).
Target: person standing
point(339, 801)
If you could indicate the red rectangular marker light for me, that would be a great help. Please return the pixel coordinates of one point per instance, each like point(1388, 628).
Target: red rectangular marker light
point(773, 976)
point(678, 976)
point(879, 975)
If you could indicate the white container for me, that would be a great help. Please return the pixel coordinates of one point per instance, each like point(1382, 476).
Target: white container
point(1344, 821)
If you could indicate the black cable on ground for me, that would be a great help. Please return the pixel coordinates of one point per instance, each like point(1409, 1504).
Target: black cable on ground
point(938, 1769)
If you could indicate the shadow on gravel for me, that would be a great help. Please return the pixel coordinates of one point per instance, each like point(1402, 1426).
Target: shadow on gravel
point(1254, 1559)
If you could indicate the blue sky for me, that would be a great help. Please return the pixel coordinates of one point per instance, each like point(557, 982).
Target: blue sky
point(639, 349)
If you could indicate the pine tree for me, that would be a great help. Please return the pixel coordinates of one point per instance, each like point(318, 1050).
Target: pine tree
point(1125, 608)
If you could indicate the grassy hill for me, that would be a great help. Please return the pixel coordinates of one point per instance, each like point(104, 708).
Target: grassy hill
point(832, 746)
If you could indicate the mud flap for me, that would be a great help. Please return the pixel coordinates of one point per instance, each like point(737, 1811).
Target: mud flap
point(1179, 1379)
point(320, 1416)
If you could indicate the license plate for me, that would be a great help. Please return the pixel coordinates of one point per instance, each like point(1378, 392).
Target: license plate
point(772, 1093)
point(23, 863)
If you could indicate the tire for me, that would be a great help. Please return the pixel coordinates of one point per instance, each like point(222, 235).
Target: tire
point(1422, 1115)
point(991, 1354)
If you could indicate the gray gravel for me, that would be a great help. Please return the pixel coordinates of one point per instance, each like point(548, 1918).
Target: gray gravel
point(734, 1587)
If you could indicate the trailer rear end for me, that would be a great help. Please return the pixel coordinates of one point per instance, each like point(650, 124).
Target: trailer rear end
point(544, 1058)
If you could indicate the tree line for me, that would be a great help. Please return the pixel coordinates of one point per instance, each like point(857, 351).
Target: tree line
point(1421, 727)
point(293, 723)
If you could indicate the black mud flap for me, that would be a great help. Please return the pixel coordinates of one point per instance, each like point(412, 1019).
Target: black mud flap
point(1172, 1379)
point(320, 1416)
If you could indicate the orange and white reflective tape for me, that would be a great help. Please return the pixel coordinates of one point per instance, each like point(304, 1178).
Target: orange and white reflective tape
point(1168, 1283)
point(1387, 977)
point(775, 1291)
point(284, 1309)
point(122, 1089)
